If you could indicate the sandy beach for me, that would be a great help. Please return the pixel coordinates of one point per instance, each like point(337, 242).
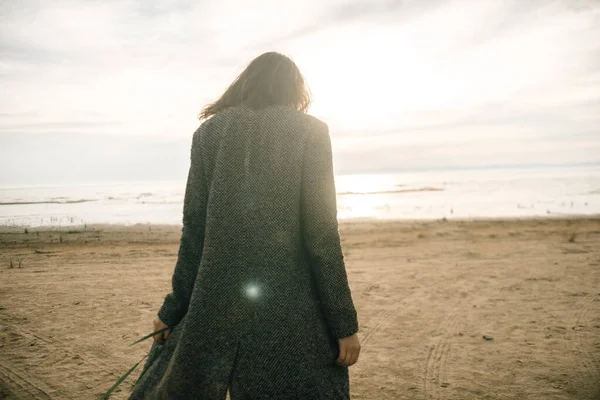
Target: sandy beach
point(491, 309)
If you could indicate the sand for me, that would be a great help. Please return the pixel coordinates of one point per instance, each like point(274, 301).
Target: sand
point(427, 293)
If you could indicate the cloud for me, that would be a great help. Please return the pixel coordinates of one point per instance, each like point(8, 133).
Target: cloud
point(387, 75)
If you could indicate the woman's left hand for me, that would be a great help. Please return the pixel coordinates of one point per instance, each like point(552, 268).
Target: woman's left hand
point(161, 337)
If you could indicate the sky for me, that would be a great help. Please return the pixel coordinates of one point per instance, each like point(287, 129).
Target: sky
point(105, 91)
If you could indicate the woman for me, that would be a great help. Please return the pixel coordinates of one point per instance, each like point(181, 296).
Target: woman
point(260, 304)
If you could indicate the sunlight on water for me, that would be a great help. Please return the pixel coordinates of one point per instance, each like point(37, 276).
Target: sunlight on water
point(470, 194)
point(357, 196)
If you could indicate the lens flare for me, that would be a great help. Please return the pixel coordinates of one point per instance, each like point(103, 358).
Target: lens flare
point(252, 291)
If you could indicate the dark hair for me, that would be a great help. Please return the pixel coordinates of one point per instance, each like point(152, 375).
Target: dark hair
point(270, 79)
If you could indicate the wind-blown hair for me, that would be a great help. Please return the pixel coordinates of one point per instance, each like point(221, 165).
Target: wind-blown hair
point(270, 79)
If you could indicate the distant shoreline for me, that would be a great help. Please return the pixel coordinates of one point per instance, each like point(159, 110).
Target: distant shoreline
point(76, 230)
point(20, 203)
point(347, 172)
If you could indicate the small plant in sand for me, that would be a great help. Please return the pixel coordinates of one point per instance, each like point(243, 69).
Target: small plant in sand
point(126, 374)
point(572, 238)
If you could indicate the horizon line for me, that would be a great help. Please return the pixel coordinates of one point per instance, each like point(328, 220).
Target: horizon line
point(489, 167)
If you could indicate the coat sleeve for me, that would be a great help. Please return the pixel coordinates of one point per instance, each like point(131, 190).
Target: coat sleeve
point(192, 238)
point(321, 235)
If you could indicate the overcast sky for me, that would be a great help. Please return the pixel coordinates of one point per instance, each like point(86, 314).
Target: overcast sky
point(110, 90)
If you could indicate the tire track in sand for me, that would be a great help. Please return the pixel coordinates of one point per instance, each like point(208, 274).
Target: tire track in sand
point(435, 374)
point(579, 341)
point(34, 349)
point(382, 320)
point(434, 378)
point(22, 386)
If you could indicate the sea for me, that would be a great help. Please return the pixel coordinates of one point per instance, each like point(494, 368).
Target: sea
point(422, 195)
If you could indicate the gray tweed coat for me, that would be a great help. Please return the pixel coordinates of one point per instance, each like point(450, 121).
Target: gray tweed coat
point(260, 293)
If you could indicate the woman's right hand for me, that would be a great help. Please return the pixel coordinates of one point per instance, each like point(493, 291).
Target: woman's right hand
point(349, 350)
point(161, 337)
